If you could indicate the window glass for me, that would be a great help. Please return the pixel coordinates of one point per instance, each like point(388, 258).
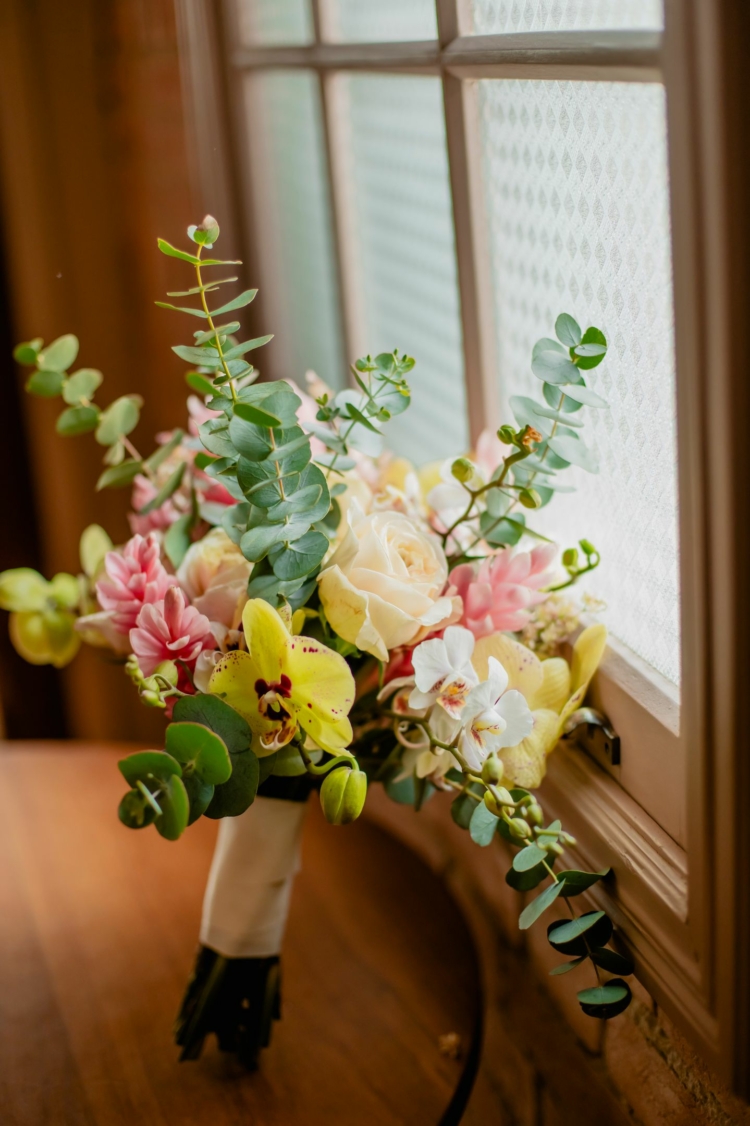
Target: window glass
point(577, 193)
point(494, 17)
point(405, 251)
point(288, 156)
point(384, 21)
point(273, 22)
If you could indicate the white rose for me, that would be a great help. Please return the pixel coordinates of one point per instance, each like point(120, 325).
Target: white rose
point(214, 575)
point(384, 585)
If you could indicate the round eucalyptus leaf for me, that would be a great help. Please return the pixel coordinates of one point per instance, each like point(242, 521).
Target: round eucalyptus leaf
point(578, 935)
point(612, 962)
point(200, 747)
point(134, 811)
point(212, 712)
point(289, 762)
point(526, 881)
point(528, 857)
point(46, 384)
point(175, 806)
point(145, 765)
point(591, 336)
point(199, 795)
point(118, 419)
point(237, 794)
point(60, 354)
point(27, 352)
point(77, 420)
point(483, 825)
point(606, 1001)
point(568, 330)
point(81, 385)
point(577, 882)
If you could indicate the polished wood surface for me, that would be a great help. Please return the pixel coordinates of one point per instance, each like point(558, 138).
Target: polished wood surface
point(98, 935)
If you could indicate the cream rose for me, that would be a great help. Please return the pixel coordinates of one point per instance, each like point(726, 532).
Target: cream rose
point(214, 575)
point(384, 585)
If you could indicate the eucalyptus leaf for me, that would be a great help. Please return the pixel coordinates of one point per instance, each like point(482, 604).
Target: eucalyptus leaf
point(482, 825)
point(539, 905)
point(566, 967)
point(238, 302)
point(204, 357)
point(213, 712)
point(118, 476)
point(606, 1001)
point(612, 962)
point(59, 355)
point(590, 350)
point(81, 384)
point(46, 384)
point(585, 396)
point(577, 882)
point(77, 420)
point(591, 336)
point(257, 542)
point(177, 539)
point(256, 415)
point(166, 491)
point(198, 746)
point(175, 809)
point(300, 557)
point(528, 858)
point(145, 766)
point(247, 346)
point(27, 352)
point(568, 330)
point(119, 419)
point(172, 252)
point(553, 368)
point(182, 309)
point(574, 451)
point(200, 383)
point(597, 932)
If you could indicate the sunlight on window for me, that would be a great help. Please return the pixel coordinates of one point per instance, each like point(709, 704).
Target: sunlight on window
point(577, 188)
point(297, 240)
point(495, 17)
point(406, 251)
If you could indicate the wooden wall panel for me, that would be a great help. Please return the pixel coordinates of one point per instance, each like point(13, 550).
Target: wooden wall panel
point(93, 165)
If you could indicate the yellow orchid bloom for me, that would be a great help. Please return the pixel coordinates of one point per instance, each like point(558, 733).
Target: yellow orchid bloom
point(284, 682)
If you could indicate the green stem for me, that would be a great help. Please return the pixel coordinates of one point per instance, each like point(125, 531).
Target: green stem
point(341, 760)
point(212, 326)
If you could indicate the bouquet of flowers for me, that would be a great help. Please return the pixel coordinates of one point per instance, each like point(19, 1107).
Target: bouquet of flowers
point(312, 612)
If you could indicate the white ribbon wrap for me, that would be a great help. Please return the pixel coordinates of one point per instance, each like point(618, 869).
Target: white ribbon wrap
point(246, 903)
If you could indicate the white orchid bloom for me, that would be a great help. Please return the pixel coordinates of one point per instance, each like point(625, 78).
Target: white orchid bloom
point(443, 671)
point(492, 718)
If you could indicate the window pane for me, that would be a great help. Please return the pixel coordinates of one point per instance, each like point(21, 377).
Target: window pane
point(298, 266)
point(398, 170)
point(384, 21)
point(577, 189)
point(494, 17)
point(272, 22)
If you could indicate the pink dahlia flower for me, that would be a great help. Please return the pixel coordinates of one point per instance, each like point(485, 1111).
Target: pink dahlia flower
point(170, 630)
point(135, 576)
point(499, 594)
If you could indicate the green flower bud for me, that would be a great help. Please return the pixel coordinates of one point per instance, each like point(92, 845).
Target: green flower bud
point(519, 828)
point(501, 795)
point(168, 671)
point(342, 795)
point(567, 839)
point(506, 434)
point(462, 470)
point(587, 547)
point(493, 769)
point(530, 498)
point(570, 558)
point(555, 848)
point(152, 699)
point(133, 670)
point(492, 804)
point(206, 233)
point(534, 813)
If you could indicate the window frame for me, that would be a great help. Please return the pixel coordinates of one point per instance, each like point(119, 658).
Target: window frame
point(683, 908)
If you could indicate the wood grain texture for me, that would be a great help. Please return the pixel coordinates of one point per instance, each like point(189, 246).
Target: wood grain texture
point(98, 936)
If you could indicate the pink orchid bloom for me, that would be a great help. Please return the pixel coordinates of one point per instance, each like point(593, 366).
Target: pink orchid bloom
point(170, 630)
point(161, 518)
point(135, 576)
point(499, 594)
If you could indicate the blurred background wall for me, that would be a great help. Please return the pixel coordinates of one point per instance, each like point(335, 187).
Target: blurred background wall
point(93, 165)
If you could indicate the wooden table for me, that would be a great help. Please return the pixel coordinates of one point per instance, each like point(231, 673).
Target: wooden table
point(98, 928)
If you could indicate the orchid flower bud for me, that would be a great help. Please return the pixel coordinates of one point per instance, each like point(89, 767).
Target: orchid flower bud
point(342, 795)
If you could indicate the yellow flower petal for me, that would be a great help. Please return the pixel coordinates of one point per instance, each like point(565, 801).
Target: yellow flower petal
point(555, 687)
point(587, 653)
point(322, 691)
point(234, 680)
point(523, 667)
point(525, 764)
point(266, 637)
